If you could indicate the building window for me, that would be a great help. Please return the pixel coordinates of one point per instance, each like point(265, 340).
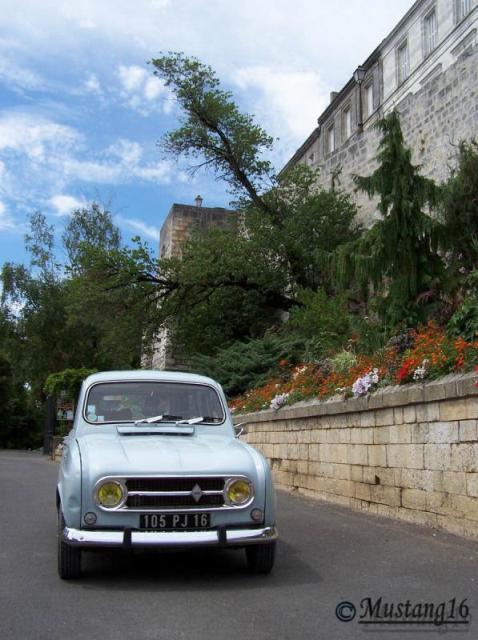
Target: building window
point(402, 62)
point(311, 159)
point(347, 118)
point(430, 32)
point(369, 99)
point(331, 139)
point(462, 9)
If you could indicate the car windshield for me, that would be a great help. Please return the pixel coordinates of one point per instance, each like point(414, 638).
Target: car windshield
point(164, 401)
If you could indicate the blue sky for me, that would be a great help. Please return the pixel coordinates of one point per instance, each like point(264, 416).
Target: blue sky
point(81, 112)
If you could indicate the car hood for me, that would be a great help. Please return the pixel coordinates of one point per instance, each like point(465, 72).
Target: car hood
point(115, 454)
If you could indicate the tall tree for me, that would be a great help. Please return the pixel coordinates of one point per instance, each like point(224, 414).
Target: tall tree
point(214, 130)
point(90, 226)
point(288, 230)
point(398, 255)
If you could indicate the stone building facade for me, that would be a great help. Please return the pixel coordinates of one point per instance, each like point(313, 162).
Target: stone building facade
point(181, 221)
point(426, 68)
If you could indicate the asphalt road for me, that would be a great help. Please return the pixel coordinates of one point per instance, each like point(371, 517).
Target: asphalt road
point(326, 555)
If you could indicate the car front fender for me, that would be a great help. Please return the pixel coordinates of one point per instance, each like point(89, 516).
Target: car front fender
point(69, 483)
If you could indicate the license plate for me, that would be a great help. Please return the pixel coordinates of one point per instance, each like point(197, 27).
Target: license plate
point(174, 521)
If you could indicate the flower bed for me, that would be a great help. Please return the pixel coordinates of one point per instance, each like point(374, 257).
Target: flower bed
point(426, 354)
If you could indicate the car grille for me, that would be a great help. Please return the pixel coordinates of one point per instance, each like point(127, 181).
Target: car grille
point(175, 493)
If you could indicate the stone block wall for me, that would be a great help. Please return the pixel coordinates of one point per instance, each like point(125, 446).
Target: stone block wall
point(406, 452)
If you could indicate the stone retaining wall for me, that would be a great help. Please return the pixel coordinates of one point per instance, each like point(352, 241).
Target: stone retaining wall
point(406, 452)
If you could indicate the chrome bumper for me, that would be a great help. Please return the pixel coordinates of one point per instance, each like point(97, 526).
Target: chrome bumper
point(126, 539)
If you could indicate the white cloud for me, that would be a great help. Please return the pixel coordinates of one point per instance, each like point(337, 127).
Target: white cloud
point(138, 225)
point(92, 84)
point(281, 59)
point(141, 90)
point(132, 78)
point(65, 204)
point(41, 161)
point(17, 76)
point(121, 163)
point(292, 98)
point(36, 137)
point(6, 221)
point(301, 41)
point(127, 151)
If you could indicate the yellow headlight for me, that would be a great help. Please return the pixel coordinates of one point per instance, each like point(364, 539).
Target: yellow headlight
point(110, 494)
point(239, 492)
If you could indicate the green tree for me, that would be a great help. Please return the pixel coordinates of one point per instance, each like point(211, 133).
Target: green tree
point(68, 381)
point(36, 293)
point(224, 288)
point(116, 291)
point(315, 221)
point(74, 318)
point(398, 255)
point(459, 211)
point(229, 286)
point(89, 227)
point(214, 130)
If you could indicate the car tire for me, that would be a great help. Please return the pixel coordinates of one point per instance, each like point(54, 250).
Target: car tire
point(69, 558)
point(260, 557)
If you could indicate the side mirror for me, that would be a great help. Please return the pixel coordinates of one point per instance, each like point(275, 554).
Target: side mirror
point(239, 429)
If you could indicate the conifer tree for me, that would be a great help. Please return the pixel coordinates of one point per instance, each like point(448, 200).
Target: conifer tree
point(398, 254)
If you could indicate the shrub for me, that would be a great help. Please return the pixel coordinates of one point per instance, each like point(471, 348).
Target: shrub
point(321, 320)
point(430, 354)
point(464, 322)
point(343, 361)
point(251, 363)
point(67, 382)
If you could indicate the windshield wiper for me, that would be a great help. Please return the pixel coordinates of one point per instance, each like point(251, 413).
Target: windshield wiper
point(149, 420)
point(191, 420)
point(198, 420)
point(166, 417)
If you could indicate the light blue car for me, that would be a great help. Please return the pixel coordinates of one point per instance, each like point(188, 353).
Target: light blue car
point(153, 461)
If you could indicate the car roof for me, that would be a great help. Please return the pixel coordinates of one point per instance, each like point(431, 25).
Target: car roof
point(148, 374)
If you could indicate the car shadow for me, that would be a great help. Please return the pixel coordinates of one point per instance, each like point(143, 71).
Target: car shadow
point(211, 569)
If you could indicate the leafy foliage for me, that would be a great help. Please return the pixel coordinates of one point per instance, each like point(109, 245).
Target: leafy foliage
point(20, 420)
point(250, 363)
point(323, 320)
point(89, 228)
point(398, 255)
point(431, 353)
point(67, 382)
point(226, 288)
point(459, 210)
point(464, 322)
point(55, 318)
point(343, 361)
point(213, 128)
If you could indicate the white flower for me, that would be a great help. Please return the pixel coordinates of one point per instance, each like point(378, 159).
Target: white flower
point(421, 372)
point(298, 372)
point(362, 386)
point(278, 401)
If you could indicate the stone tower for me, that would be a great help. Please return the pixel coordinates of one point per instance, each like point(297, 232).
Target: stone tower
point(180, 222)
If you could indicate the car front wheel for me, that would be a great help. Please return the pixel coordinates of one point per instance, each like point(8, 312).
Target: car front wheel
point(69, 558)
point(260, 557)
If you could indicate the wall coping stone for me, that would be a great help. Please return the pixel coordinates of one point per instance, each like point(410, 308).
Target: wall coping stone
point(446, 388)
